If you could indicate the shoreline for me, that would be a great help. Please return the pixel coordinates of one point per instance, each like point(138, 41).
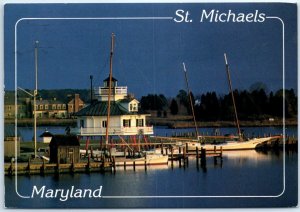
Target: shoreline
point(177, 124)
point(173, 123)
point(43, 122)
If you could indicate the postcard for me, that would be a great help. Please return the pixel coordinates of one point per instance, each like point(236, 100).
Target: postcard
point(150, 105)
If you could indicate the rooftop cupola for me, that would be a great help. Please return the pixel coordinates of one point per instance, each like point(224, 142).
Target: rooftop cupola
point(114, 82)
point(117, 92)
point(111, 92)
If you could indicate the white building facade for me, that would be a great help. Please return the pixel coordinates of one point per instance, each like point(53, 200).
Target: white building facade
point(125, 116)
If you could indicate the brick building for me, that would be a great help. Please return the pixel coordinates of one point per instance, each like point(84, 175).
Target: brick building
point(50, 108)
point(75, 104)
point(23, 107)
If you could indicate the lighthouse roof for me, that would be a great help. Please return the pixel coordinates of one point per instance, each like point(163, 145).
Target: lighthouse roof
point(112, 79)
point(99, 108)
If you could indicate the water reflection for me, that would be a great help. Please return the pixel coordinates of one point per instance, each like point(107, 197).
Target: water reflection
point(241, 173)
point(27, 132)
point(251, 157)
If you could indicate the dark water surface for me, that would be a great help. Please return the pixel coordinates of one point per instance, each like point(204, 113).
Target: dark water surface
point(245, 179)
point(27, 132)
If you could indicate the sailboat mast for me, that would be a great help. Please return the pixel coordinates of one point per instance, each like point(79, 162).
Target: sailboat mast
point(190, 98)
point(35, 94)
point(232, 96)
point(109, 88)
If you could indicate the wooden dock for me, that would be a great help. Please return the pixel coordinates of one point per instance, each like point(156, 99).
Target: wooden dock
point(109, 163)
point(183, 155)
point(11, 169)
point(169, 146)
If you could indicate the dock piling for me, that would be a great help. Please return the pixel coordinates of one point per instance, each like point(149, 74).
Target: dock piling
point(172, 159)
point(203, 157)
point(28, 167)
point(145, 163)
point(197, 157)
point(186, 148)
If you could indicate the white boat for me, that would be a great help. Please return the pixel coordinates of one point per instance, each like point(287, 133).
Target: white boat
point(229, 145)
point(96, 153)
point(149, 159)
point(232, 145)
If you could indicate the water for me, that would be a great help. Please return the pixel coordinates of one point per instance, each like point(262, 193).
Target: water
point(242, 174)
point(27, 132)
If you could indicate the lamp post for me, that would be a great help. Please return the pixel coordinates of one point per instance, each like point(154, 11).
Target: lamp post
point(34, 94)
point(34, 114)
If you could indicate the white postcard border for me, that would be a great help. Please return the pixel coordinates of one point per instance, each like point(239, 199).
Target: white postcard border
point(152, 18)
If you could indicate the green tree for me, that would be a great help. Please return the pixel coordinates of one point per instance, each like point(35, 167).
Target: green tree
point(290, 103)
point(153, 102)
point(184, 100)
point(174, 107)
point(209, 108)
point(182, 96)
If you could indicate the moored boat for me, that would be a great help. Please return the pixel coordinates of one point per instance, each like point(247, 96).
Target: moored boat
point(149, 159)
point(233, 145)
point(241, 144)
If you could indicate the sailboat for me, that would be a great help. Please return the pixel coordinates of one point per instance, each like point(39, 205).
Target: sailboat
point(241, 144)
point(149, 157)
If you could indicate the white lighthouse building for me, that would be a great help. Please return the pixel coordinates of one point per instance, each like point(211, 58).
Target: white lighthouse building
point(125, 116)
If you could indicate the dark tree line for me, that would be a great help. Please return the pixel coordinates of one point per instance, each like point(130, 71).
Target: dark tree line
point(184, 99)
point(255, 105)
point(153, 102)
point(63, 95)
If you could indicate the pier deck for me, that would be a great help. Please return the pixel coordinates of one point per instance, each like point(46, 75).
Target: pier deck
point(51, 168)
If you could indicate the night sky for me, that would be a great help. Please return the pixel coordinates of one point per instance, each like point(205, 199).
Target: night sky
point(149, 53)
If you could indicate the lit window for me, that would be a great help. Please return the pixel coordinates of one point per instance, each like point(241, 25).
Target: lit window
point(134, 107)
point(140, 122)
point(126, 123)
point(46, 107)
point(54, 107)
point(41, 107)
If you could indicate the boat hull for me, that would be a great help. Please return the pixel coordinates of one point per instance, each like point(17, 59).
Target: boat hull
point(244, 145)
point(149, 160)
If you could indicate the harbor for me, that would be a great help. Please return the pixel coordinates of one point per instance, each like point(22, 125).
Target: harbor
point(242, 173)
point(92, 160)
point(101, 163)
point(114, 113)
